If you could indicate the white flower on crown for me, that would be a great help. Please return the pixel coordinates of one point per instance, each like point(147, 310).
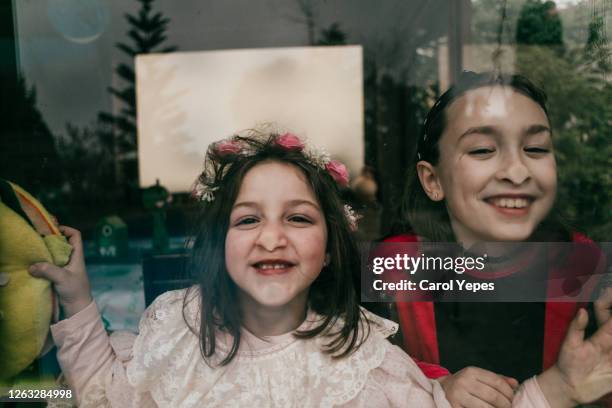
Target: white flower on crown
point(351, 216)
point(204, 192)
point(318, 156)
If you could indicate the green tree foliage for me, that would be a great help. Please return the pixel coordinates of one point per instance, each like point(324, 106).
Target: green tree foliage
point(579, 100)
point(539, 24)
point(597, 51)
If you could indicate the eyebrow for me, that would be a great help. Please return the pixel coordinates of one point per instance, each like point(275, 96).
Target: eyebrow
point(482, 130)
point(292, 203)
point(535, 129)
point(492, 131)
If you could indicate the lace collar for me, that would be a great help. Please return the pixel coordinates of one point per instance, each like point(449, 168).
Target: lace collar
point(166, 361)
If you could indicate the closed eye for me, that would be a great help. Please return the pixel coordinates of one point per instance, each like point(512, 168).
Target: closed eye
point(300, 219)
point(537, 150)
point(481, 151)
point(246, 221)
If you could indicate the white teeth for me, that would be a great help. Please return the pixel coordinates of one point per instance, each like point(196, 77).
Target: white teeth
point(273, 266)
point(510, 202)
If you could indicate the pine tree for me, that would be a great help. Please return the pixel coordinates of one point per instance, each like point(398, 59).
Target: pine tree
point(147, 33)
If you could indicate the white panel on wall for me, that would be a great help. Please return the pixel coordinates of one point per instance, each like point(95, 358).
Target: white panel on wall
point(187, 100)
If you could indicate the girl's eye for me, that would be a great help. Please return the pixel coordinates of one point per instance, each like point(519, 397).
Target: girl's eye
point(482, 151)
point(246, 221)
point(537, 150)
point(300, 219)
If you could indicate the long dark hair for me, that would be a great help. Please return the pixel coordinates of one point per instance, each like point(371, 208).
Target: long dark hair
point(430, 219)
point(332, 295)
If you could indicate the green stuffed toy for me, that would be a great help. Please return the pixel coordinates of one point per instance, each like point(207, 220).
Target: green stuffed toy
point(28, 234)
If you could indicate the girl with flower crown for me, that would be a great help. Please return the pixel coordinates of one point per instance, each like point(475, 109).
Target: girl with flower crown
point(274, 320)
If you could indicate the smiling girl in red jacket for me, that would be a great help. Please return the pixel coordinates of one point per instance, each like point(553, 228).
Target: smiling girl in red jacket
point(485, 171)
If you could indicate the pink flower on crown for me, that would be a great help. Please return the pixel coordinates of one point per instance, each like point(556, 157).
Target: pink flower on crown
point(227, 147)
point(290, 142)
point(338, 171)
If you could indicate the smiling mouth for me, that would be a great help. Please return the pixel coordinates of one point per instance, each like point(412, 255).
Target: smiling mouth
point(272, 267)
point(511, 205)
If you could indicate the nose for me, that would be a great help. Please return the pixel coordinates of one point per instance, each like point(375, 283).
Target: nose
point(271, 237)
point(514, 170)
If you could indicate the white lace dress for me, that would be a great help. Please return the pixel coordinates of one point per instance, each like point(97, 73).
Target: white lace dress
point(162, 366)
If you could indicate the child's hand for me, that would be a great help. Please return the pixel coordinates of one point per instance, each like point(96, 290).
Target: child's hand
point(583, 372)
point(603, 306)
point(476, 387)
point(70, 282)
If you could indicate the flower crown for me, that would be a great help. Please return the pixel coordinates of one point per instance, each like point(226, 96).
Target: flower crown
point(234, 146)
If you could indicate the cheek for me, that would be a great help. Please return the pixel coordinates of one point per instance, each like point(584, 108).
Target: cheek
point(546, 174)
point(230, 244)
point(236, 246)
point(463, 180)
point(312, 245)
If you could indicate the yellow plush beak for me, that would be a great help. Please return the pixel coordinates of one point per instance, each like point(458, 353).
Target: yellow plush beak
point(26, 303)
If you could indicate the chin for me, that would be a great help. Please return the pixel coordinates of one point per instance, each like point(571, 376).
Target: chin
point(512, 234)
point(274, 304)
point(272, 301)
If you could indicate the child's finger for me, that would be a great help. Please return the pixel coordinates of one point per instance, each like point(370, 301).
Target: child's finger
point(74, 237)
point(575, 332)
point(603, 336)
point(499, 390)
point(489, 395)
point(47, 271)
point(603, 305)
point(512, 382)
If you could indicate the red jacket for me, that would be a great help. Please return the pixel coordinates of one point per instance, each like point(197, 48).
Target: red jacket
point(418, 324)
